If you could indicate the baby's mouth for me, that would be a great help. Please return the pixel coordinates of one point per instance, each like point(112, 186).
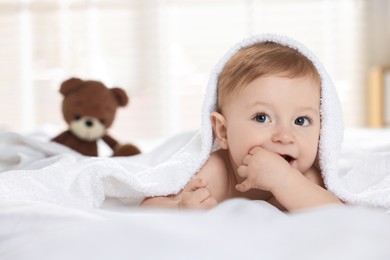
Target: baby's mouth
point(288, 158)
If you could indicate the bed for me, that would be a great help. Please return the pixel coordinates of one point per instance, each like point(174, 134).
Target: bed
point(235, 229)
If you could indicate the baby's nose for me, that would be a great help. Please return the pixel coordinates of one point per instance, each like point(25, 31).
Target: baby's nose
point(283, 135)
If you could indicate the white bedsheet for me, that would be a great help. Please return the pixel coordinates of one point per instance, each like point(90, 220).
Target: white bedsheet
point(236, 229)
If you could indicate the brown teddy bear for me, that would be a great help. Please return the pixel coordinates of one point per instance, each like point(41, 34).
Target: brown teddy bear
point(89, 109)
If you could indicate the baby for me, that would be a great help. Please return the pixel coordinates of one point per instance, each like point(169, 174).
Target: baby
point(267, 125)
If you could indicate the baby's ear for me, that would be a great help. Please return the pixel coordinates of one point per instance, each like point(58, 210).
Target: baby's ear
point(218, 122)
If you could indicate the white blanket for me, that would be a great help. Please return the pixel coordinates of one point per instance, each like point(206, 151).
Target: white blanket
point(235, 229)
point(39, 170)
point(364, 171)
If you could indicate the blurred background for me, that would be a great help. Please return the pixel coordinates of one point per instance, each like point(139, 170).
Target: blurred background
point(162, 52)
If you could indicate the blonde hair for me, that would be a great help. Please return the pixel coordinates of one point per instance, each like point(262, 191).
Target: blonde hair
point(262, 59)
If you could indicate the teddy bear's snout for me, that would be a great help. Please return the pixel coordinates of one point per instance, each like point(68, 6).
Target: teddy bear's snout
point(87, 128)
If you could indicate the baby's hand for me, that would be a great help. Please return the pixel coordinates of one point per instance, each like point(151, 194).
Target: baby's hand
point(262, 169)
point(196, 195)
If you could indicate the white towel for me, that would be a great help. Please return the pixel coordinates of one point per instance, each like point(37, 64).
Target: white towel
point(41, 171)
point(33, 170)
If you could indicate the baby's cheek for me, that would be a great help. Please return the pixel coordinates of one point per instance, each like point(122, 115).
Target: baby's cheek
point(314, 150)
point(309, 158)
point(238, 157)
point(239, 147)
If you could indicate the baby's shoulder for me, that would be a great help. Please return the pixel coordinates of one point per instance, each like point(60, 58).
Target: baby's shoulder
point(215, 166)
point(215, 173)
point(218, 158)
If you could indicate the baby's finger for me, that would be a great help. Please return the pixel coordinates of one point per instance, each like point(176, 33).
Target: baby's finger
point(242, 171)
point(202, 194)
point(210, 202)
point(195, 183)
point(243, 187)
point(255, 150)
point(246, 159)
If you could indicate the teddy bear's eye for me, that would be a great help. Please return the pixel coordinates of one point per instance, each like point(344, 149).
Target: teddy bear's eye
point(77, 117)
point(102, 121)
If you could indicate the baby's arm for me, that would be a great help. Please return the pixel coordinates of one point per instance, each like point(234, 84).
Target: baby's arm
point(195, 195)
point(269, 171)
point(208, 188)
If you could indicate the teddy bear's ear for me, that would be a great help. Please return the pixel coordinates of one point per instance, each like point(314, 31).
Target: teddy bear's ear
point(120, 96)
point(70, 85)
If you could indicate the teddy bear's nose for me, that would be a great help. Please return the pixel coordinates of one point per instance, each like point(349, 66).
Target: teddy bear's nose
point(89, 123)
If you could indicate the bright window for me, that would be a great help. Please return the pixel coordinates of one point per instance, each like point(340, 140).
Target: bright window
point(161, 52)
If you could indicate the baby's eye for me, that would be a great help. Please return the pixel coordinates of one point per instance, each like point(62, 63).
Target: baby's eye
point(302, 121)
point(77, 117)
point(262, 118)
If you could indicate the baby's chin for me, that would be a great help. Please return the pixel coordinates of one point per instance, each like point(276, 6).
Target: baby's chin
point(302, 169)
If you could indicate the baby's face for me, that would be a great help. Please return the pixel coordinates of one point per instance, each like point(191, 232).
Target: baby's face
point(279, 114)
